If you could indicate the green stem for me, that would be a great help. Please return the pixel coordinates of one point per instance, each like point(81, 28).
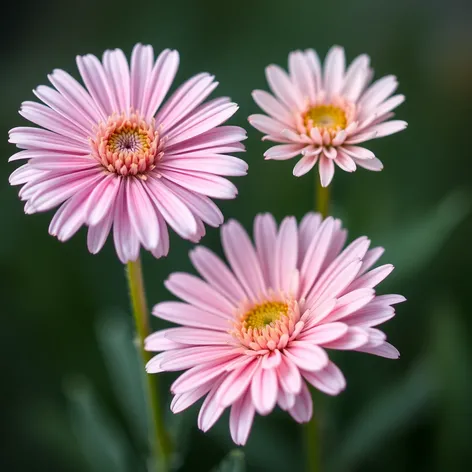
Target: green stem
point(159, 439)
point(312, 436)
point(322, 198)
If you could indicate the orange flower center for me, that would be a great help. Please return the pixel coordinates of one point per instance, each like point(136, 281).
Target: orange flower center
point(127, 145)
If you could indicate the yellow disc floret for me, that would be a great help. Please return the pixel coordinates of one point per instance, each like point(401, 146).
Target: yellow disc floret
point(328, 117)
point(265, 314)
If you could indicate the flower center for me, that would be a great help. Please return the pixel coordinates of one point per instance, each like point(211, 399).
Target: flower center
point(265, 314)
point(127, 145)
point(328, 117)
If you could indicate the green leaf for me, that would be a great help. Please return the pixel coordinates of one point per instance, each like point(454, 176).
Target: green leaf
point(413, 245)
point(233, 462)
point(387, 415)
point(126, 371)
point(102, 442)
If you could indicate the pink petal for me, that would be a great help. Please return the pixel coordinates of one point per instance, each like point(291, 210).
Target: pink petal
point(283, 88)
point(264, 390)
point(349, 303)
point(286, 254)
point(97, 234)
point(370, 164)
point(370, 258)
point(326, 169)
point(304, 165)
point(372, 278)
point(324, 334)
point(210, 411)
point(306, 355)
point(289, 376)
point(243, 259)
point(283, 151)
point(384, 350)
point(301, 75)
point(302, 410)
point(265, 237)
point(334, 66)
point(117, 70)
point(159, 342)
point(102, 199)
point(196, 336)
point(182, 401)
point(329, 380)
point(241, 418)
point(273, 107)
point(356, 78)
point(142, 59)
point(353, 339)
point(308, 227)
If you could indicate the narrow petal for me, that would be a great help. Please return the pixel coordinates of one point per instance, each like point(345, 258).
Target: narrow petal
point(326, 167)
point(241, 418)
point(329, 380)
point(264, 390)
point(302, 410)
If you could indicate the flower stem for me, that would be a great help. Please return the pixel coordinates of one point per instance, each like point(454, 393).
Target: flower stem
point(312, 437)
point(159, 440)
point(322, 198)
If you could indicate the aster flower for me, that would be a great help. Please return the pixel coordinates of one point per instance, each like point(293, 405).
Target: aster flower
point(254, 334)
point(115, 154)
point(324, 114)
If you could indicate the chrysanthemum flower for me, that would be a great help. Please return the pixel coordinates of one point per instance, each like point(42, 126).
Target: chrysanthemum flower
point(324, 114)
point(113, 153)
point(256, 333)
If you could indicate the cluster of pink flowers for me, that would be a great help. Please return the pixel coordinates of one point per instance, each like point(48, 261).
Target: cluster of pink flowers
point(115, 155)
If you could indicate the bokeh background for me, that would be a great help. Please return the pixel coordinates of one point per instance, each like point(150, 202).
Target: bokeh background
point(71, 394)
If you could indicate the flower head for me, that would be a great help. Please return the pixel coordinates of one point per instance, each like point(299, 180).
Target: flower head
point(115, 154)
point(324, 114)
point(254, 334)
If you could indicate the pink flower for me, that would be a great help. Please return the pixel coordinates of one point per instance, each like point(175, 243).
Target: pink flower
point(256, 333)
point(324, 114)
point(113, 153)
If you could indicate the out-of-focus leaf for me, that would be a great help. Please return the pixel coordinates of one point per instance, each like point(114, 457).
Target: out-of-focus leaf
point(126, 371)
point(452, 358)
point(233, 462)
point(180, 428)
point(102, 442)
point(413, 245)
point(385, 417)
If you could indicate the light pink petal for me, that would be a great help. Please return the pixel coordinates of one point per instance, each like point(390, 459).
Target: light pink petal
point(273, 107)
point(65, 164)
point(142, 59)
point(306, 355)
point(162, 248)
point(195, 291)
point(286, 254)
point(237, 382)
point(142, 214)
point(370, 258)
point(174, 211)
point(203, 183)
point(96, 81)
point(160, 80)
point(353, 339)
point(359, 152)
point(314, 63)
point(283, 151)
point(217, 274)
point(117, 71)
point(264, 390)
point(241, 418)
point(126, 241)
point(102, 198)
point(285, 400)
point(76, 95)
point(217, 164)
point(372, 278)
point(334, 66)
point(301, 75)
point(308, 227)
point(325, 333)
point(268, 125)
point(243, 259)
point(314, 257)
point(378, 92)
point(283, 88)
point(197, 376)
point(159, 342)
point(271, 360)
point(98, 233)
point(302, 410)
point(265, 237)
point(47, 118)
point(211, 410)
point(329, 380)
point(188, 315)
point(24, 174)
point(356, 78)
point(370, 164)
point(62, 106)
point(195, 336)
point(326, 167)
point(289, 376)
point(351, 302)
point(384, 350)
point(388, 128)
point(345, 162)
point(182, 401)
point(304, 165)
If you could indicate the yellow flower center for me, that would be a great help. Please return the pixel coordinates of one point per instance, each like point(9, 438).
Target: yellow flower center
point(129, 139)
point(328, 117)
point(265, 314)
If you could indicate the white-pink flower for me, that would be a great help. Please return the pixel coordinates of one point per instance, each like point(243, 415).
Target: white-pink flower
point(323, 113)
point(256, 333)
point(115, 154)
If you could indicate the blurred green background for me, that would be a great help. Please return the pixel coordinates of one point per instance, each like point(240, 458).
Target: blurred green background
point(70, 393)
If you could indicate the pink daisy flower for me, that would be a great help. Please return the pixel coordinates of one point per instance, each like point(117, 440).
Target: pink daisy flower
point(255, 334)
point(115, 154)
point(324, 114)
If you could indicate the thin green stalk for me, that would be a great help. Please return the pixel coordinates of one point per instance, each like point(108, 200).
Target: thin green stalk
point(322, 198)
point(159, 440)
point(312, 436)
